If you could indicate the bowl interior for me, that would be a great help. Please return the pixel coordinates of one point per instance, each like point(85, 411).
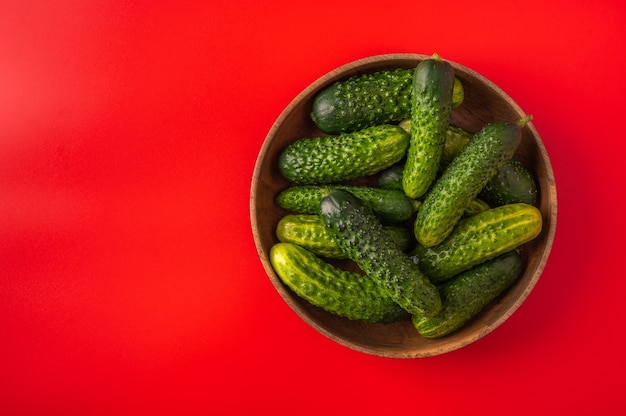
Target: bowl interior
point(484, 102)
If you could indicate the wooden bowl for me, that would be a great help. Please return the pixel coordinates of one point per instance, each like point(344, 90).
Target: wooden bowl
point(484, 102)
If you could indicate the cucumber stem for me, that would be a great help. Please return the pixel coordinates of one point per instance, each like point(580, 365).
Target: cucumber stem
point(524, 121)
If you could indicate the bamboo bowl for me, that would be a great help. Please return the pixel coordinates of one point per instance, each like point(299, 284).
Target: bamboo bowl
point(484, 102)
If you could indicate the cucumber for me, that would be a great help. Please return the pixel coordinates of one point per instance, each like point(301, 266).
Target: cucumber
point(330, 159)
point(390, 205)
point(456, 138)
point(475, 206)
point(477, 239)
point(458, 93)
point(463, 297)
point(348, 294)
point(391, 178)
point(464, 178)
point(513, 183)
point(360, 234)
point(368, 100)
point(433, 82)
point(309, 232)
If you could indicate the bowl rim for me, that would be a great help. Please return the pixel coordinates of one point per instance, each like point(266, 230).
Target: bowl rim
point(356, 66)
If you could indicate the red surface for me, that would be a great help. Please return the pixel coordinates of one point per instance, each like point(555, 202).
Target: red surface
point(129, 279)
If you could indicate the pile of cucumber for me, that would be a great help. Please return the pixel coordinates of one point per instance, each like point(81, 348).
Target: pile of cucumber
point(430, 216)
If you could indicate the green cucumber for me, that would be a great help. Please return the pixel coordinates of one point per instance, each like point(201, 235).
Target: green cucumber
point(348, 294)
point(360, 234)
point(477, 239)
point(308, 231)
point(513, 183)
point(390, 205)
point(433, 82)
point(368, 100)
point(456, 138)
point(475, 206)
point(391, 178)
point(330, 159)
point(465, 296)
point(464, 178)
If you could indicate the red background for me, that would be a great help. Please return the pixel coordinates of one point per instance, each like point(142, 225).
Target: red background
point(129, 280)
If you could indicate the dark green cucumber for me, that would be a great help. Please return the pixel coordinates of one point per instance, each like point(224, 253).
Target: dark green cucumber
point(433, 82)
point(513, 183)
point(348, 294)
point(308, 231)
point(479, 238)
point(390, 205)
point(465, 296)
point(368, 100)
point(464, 178)
point(391, 178)
point(360, 234)
point(329, 159)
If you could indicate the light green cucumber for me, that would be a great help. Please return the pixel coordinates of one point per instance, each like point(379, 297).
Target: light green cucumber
point(347, 294)
point(308, 231)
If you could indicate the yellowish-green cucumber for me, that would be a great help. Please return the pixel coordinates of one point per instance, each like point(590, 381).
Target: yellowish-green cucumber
point(343, 293)
point(308, 231)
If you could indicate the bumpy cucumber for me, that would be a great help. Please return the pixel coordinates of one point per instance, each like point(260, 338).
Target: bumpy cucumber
point(360, 234)
point(464, 178)
point(308, 231)
point(463, 297)
point(479, 238)
point(390, 205)
point(456, 138)
point(513, 183)
point(368, 100)
point(348, 294)
point(329, 159)
point(433, 82)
